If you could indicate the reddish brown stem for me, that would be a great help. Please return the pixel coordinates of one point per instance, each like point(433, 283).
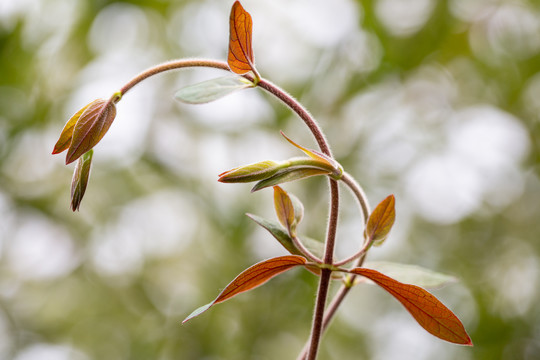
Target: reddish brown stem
point(173, 65)
point(324, 282)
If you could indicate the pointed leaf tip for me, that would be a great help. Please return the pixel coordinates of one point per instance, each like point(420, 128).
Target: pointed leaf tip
point(324, 161)
point(253, 277)
point(426, 309)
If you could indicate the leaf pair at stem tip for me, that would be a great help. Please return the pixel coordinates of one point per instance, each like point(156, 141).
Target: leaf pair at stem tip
point(240, 60)
point(80, 134)
point(425, 308)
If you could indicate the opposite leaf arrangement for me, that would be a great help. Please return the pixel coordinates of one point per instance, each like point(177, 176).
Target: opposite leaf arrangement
point(88, 126)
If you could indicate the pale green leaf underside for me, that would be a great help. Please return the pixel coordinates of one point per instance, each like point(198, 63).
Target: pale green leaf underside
point(278, 231)
point(211, 90)
point(315, 246)
point(411, 274)
point(198, 311)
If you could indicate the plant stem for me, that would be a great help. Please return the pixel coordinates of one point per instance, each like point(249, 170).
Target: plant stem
point(300, 111)
point(324, 282)
point(173, 65)
point(356, 189)
point(358, 193)
point(328, 316)
point(318, 314)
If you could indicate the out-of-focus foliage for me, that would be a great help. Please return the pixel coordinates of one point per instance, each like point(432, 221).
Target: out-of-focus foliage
point(437, 102)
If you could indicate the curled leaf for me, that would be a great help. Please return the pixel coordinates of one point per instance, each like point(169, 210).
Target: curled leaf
point(80, 179)
point(90, 128)
point(288, 175)
point(426, 309)
point(240, 58)
point(381, 220)
point(251, 172)
point(211, 90)
point(253, 277)
point(278, 232)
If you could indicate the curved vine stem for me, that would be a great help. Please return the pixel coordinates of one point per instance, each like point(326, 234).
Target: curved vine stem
point(318, 317)
point(324, 282)
point(173, 65)
point(300, 111)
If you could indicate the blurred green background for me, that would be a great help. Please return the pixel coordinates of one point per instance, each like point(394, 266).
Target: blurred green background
point(437, 102)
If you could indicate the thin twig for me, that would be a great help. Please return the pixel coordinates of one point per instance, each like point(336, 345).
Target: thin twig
point(173, 65)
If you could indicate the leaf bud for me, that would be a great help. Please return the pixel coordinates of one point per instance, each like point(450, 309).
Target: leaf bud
point(252, 172)
point(79, 182)
point(87, 127)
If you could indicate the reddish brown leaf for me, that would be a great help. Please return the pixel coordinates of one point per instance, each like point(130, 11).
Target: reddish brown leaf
point(284, 208)
point(90, 128)
point(253, 277)
point(381, 220)
point(240, 57)
point(427, 310)
point(67, 132)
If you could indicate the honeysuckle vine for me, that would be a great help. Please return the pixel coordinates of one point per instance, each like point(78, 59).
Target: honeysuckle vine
point(86, 128)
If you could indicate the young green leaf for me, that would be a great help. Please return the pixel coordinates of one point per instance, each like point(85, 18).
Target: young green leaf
point(211, 90)
point(90, 128)
point(284, 209)
point(240, 58)
point(380, 221)
point(411, 274)
point(253, 277)
point(251, 172)
point(426, 309)
point(288, 175)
